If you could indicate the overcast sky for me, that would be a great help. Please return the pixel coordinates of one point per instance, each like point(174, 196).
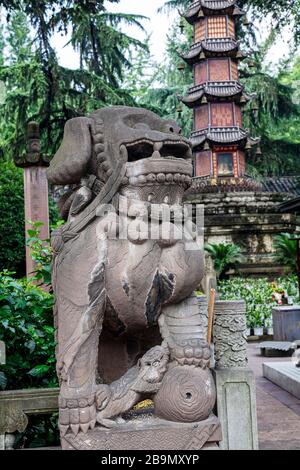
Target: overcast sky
point(158, 26)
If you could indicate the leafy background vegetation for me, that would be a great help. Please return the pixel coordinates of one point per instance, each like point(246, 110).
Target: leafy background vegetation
point(114, 69)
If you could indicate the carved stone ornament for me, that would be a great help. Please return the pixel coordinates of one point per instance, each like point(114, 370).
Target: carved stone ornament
point(230, 339)
point(125, 313)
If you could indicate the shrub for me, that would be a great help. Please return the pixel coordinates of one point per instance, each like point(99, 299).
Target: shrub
point(223, 256)
point(258, 295)
point(12, 219)
point(285, 246)
point(12, 225)
point(26, 326)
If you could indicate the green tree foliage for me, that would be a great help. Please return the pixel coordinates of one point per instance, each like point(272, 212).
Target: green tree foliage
point(277, 117)
point(39, 88)
point(12, 226)
point(285, 246)
point(274, 115)
point(258, 295)
point(163, 84)
point(26, 326)
point(224, 256)
point(282, 12)
point(12, 219)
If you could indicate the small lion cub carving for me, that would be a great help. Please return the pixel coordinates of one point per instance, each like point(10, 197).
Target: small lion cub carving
point(143, 379)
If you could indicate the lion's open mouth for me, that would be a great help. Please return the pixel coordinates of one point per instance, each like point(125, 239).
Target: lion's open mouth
point(146, 148)
point(157, 172)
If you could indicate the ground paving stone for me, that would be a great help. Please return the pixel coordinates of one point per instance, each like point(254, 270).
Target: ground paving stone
point(278, 411)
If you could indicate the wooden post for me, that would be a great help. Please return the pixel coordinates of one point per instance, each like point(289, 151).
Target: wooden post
point(211, 307)
point(35, 189)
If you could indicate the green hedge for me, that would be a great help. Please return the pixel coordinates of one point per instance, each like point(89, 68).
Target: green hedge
point(12, 218)
point(12, 225)
point(258, 295)
point(26, 327)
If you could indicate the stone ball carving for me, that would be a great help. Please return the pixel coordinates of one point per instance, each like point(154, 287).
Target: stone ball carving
point(187, 395)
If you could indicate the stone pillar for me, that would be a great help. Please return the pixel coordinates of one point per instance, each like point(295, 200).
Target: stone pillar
point(35, 189)
point(36, 206)
point(236, 395)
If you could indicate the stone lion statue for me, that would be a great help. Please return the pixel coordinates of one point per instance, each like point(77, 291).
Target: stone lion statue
point(119, 296)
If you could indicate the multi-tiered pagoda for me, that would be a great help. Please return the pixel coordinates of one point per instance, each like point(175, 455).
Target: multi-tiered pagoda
point(217, 96)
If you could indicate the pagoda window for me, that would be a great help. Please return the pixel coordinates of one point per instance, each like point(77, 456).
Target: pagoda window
point(200, 72)
point(238, 116)
point(201, 117)
point(222, 114)
point(230, 28)
point(225, 164)
point(219, 70)
point(234, 70)
point(217, 27)
point(203, 163)
point(200, 31)
point(220, 27)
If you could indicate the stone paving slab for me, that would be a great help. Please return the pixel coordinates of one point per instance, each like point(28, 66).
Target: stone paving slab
point(278, 411)
point(286, 376)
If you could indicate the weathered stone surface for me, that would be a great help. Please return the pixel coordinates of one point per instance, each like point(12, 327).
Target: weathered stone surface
point(250, 220)
point(148, 434)
point(2, 442)
point(16, 405)
point(285, 375)
point(145, 378)
point(236, 408)
point(230, 340)
point(277, 348)
point(36, 206)
point(188, 394)
point(203, 310)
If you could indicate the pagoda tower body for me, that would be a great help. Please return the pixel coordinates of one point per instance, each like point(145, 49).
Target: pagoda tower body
point(217, 97)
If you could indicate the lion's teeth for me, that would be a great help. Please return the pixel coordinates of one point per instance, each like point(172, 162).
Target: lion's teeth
point(158, 146)
point(156, 154)
point(161, 178)
point(151, 177)
point(133, 180)
point(142, 179)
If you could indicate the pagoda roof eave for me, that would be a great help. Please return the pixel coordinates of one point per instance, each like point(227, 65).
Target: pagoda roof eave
point(209, 8)
point(226, 90)
point(226, 47)
point(220, 136)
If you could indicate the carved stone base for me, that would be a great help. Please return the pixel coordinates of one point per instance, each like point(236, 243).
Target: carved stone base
point(236, 405)
point(149, 433)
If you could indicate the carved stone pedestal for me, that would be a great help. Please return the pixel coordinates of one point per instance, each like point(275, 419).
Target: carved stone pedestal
point(149, 433)
point(236, 406)
point(235, 383)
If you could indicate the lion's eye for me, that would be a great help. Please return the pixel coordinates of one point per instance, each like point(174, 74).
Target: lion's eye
point(156, 363)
